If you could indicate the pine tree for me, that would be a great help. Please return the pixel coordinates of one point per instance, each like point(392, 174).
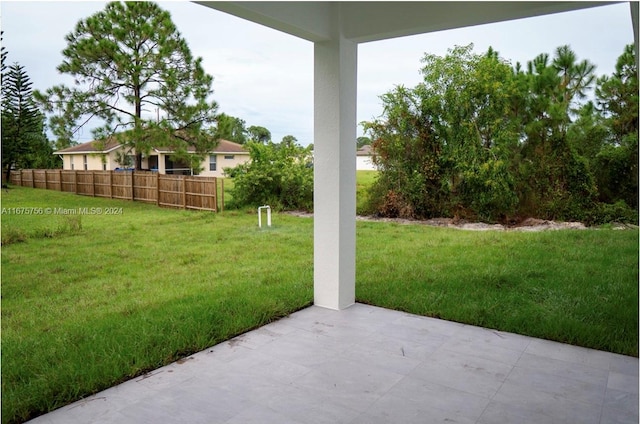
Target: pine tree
point(3, 55)
point(617, 162)
point(127, 59)
point(231, 128)
point(22, 121)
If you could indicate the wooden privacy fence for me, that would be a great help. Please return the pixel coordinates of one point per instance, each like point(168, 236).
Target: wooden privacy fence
point(186, 192)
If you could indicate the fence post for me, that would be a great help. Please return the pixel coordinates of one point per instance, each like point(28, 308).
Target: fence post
point(215, 194)
point(46, 180)
point(75, 181)
point(222, 195)
point(60, 178)
point(157, 188)
point(33, 180)
point(111, 184)
point(133, 185)
point(184, 192)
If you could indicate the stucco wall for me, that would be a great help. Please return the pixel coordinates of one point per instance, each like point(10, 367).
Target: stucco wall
point(363, 163)
point(77, 162)
point(222, 162)
point(94, 162)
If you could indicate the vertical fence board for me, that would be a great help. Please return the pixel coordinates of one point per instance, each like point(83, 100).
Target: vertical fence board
point(184, 192)
point(215, 193)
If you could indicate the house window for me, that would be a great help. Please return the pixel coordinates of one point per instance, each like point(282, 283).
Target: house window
point(84, 161)
point(212, 162)
point(229, 156)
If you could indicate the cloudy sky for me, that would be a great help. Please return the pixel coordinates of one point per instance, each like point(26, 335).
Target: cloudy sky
point(266, 77)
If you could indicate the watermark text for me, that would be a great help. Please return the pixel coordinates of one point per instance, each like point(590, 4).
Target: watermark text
point(62, 211)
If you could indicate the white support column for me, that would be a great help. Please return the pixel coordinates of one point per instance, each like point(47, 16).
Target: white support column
point(334, 206)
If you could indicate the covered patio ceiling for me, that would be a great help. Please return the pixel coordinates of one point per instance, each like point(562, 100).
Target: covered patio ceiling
point(336, 29)
point(372, 21)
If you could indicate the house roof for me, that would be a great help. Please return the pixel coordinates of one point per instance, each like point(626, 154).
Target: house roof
point(91, 147)
point(94, 147)
point(365, 150)
point(224, 146)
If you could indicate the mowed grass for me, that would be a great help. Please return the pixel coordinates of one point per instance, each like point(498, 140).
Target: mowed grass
point(92, 302)
point(573, 286)
point(85, 309)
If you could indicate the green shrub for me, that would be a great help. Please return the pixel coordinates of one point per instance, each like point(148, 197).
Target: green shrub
point(487, 189)
point(279, 175)
point(605, 213)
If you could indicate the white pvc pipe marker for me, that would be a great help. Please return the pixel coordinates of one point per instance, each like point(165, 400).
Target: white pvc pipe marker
point(268, 208)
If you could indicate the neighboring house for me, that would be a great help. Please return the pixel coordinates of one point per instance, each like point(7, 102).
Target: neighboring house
point(363, 159)
point(94, 156)
point(90, 156)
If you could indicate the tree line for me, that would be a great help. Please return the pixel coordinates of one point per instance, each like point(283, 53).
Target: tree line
point(481, 139)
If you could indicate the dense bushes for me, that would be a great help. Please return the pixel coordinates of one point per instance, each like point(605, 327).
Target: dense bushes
point(279, 175)
point(480, 139)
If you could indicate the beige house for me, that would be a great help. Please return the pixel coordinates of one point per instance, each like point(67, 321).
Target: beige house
point(95, 156)
point(363, 159)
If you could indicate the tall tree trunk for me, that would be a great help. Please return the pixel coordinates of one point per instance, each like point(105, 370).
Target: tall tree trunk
point(138, 165)
point(138, 104)
point(7, 178)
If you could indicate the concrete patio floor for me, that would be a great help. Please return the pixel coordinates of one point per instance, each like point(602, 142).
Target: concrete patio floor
point(372, 365)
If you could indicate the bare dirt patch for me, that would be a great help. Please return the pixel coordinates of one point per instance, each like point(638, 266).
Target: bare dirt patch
point(529, 224)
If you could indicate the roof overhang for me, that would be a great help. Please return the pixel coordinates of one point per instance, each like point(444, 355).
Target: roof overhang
point(372, 21)
point(216, 152)
point(89, 152)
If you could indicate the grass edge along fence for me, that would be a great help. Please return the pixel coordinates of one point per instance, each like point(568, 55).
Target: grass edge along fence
point(180, 191)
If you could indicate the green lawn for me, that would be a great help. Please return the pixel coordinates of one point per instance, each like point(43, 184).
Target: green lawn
point(578, 287)
point(89, 301)
point(85, 309)
point(364, 180)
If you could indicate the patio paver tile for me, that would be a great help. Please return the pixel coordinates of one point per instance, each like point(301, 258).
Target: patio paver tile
point(569, 353)
point(464, 372)
point(572, 370)
point(431, 395)
point(500, 413)
point(559, 408)
point(623, 382)
point(394, 409)
point(620, 407)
